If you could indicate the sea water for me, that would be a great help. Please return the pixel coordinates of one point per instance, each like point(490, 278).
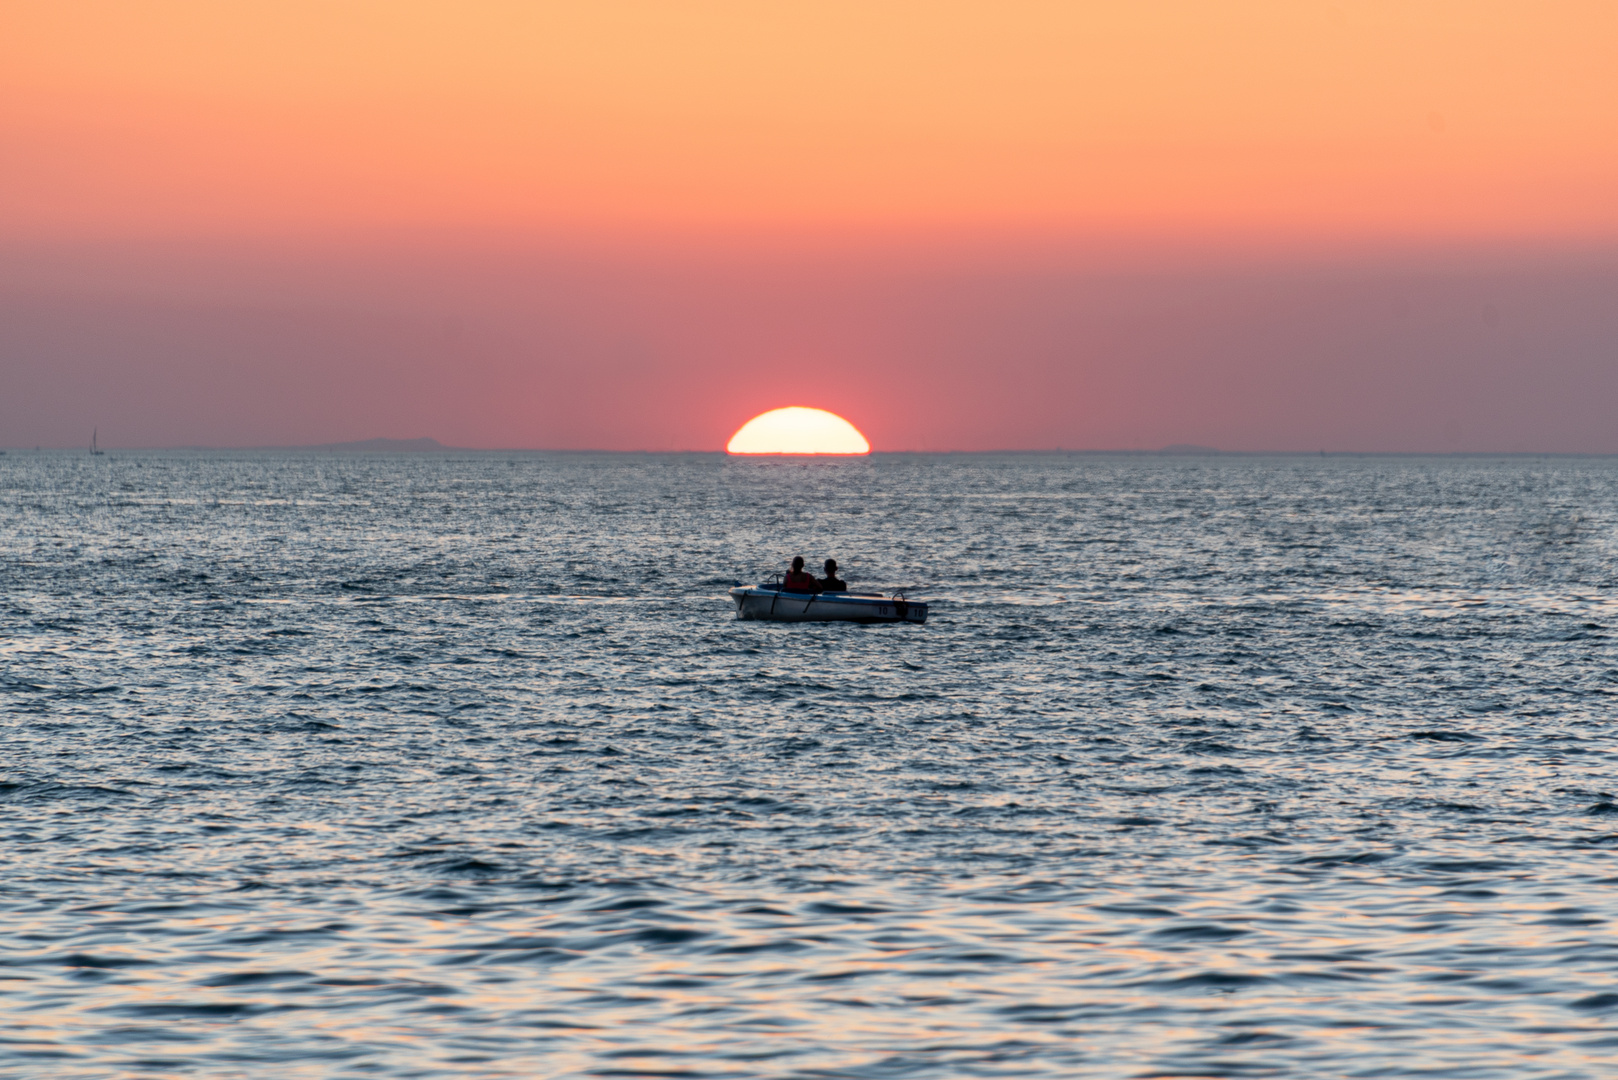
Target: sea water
point(460, 765)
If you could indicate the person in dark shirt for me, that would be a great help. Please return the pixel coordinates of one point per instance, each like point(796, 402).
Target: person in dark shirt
point(831, 582)
point(797, 580)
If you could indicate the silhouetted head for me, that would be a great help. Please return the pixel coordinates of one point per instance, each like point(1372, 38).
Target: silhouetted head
point(831, 567)
point(797, 562)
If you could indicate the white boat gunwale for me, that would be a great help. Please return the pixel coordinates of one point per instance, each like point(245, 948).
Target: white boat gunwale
point(770, 603)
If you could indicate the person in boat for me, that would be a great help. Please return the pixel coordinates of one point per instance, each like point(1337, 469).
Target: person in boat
point(798, 581)
point(831, 582)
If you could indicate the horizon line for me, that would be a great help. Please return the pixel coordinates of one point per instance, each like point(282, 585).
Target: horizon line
point(358, 448)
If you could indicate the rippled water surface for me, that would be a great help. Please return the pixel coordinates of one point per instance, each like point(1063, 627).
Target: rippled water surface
point(460, 765)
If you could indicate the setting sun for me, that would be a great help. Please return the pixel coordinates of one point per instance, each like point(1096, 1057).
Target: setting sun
point(796, 430)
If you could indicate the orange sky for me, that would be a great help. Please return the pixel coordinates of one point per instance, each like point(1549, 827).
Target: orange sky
point(1284, 118)
point(1254, 224)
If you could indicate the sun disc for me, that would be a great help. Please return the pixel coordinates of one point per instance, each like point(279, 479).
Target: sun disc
point(797, 430)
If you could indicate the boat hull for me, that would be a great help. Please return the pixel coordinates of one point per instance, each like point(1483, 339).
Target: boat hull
point(778, 605)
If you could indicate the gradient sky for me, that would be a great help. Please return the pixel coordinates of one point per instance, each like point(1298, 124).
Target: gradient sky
point(1251, 224)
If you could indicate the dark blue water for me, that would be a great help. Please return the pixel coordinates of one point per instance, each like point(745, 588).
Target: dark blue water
point(460, 765)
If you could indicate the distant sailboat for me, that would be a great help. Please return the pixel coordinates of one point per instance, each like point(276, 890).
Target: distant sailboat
point(94, 450)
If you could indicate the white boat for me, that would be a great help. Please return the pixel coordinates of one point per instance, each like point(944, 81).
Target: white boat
point(776, 604)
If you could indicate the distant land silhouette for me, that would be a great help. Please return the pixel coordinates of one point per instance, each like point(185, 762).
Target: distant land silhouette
point(361, 446)
point(1189, 448)
point(385, 446)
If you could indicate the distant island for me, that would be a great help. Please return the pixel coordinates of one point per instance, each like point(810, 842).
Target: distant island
point(384, 446)
point(1189, 448)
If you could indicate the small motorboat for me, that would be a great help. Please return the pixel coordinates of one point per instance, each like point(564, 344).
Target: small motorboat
point(770, 601)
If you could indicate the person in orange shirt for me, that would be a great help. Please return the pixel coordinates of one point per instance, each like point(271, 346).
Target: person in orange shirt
point(797, 580)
